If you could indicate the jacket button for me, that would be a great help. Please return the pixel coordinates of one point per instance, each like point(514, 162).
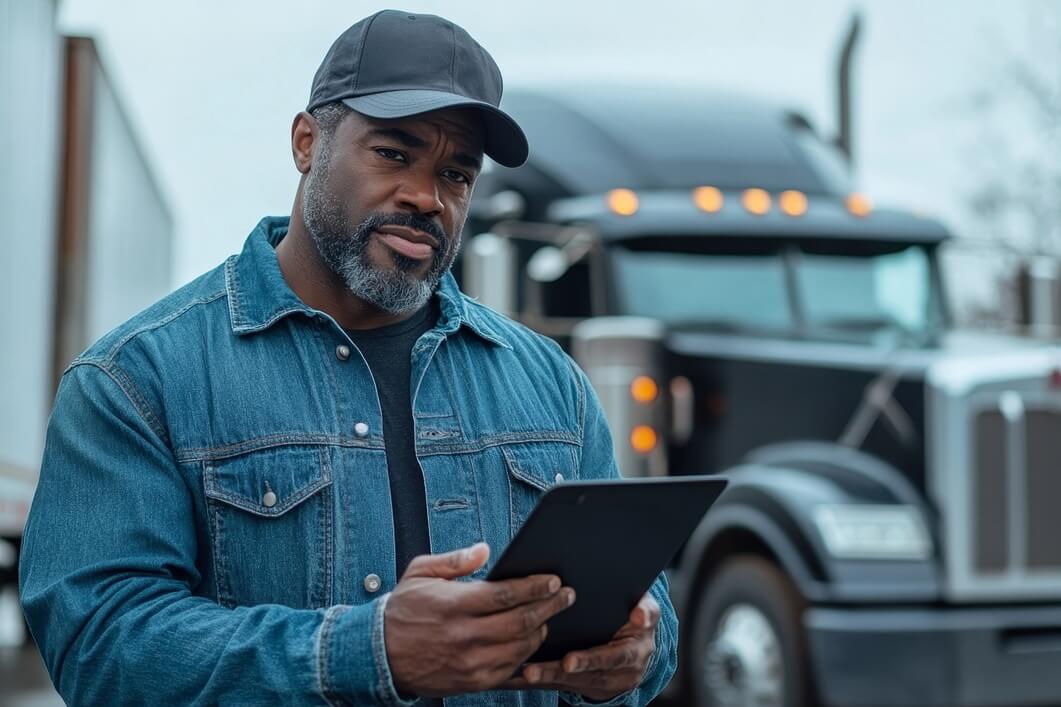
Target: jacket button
point(342, 352)
point(372, 583)
point(361, 429)
point(269, 499)
point(559, 478)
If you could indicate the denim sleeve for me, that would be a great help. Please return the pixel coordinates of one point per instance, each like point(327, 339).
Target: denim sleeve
point(108, 571)
point(598, 461)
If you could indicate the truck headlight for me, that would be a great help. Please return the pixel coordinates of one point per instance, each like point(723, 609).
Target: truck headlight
point(869, 532)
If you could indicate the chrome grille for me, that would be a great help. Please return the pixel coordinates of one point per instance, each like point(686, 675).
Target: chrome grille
point(1043, 526)
point(1016, 493)
point(992, 518)
point(993, 443)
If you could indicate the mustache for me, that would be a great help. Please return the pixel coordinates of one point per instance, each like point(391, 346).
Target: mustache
point(376, 221)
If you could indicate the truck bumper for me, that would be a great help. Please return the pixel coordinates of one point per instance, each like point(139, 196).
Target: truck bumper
point(936, 656)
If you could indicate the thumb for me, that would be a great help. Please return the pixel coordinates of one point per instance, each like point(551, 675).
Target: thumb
point(449, 565)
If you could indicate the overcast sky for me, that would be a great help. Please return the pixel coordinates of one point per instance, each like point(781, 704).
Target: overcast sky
point(211, 87)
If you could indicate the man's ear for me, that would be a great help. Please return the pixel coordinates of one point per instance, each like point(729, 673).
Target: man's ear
point(304, 133)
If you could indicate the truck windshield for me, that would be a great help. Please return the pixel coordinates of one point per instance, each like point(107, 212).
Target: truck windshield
point(867, 292)
point(728, 291)
point(838, 292)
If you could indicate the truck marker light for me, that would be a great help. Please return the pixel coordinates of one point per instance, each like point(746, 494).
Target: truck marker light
point(792, 202)
point(708, 199)
point(858, 204)
point(643, 439)
point(756, 201)
point(643, 389)
point(623, 202)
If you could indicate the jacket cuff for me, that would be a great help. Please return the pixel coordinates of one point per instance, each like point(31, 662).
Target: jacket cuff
point(576, 700)
point(352, 657)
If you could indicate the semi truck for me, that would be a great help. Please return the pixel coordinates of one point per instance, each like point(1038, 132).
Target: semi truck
point(890, 533)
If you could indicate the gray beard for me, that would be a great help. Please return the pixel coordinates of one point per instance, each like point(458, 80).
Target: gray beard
point(397, 291)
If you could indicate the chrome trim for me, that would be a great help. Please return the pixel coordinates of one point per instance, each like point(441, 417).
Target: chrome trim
point(682, 409)
point(1012, 384)
point(1012, 408)
point(620, 327)
point(613, 351)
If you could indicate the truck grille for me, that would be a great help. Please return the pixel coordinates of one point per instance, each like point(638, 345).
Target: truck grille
point(1016, 490)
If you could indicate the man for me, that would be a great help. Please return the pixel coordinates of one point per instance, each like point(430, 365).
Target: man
point(235, 479)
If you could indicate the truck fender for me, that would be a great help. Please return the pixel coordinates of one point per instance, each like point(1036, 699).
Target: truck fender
point(768, 509)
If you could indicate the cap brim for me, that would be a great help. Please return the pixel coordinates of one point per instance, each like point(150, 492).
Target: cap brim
point(505, 142)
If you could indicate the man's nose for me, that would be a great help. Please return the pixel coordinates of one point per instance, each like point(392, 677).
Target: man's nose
point(419, 193)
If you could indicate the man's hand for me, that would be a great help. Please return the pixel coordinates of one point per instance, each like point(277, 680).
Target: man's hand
point(445, 637)
point(603, 672)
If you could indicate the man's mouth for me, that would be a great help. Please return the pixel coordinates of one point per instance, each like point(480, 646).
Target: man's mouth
point(408, 241)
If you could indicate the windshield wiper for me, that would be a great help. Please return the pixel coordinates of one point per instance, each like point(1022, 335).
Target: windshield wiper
point(878, 398)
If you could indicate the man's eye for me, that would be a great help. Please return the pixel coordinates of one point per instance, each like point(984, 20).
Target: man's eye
point(389, 154)
point(459, 177)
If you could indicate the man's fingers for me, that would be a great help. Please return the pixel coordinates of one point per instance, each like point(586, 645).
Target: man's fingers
point(643, 619)
point(625, 653)
point(525, 619)
point(449, 565)
point(597, 685)
point(500, 596)
point(515, 652)
point(646, 613)
point(515, 683)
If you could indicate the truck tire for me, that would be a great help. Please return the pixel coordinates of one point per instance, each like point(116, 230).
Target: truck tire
point(748, 645)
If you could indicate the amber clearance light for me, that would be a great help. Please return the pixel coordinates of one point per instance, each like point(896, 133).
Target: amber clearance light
point(643, 389)
point(643, 439)
point(756, 201)
point(858, 204)
point(708, 199)
point(792, 202)
point(623, 202)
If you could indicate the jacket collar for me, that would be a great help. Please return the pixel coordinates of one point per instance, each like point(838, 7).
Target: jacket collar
point(258, 295)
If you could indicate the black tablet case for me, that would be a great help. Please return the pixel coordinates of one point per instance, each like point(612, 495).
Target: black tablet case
point(609, 540)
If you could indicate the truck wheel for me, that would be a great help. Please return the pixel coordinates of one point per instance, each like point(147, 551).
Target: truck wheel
point(748, 640)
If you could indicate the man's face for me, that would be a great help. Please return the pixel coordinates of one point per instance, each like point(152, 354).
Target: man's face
point(385, 202)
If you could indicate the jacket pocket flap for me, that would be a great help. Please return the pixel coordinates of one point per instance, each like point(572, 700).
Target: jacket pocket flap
point(268, 482)
point(541, 464)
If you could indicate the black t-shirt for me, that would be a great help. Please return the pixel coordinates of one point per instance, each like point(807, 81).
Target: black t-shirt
point(388, 351)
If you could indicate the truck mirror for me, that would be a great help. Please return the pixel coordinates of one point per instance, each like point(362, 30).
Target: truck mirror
point(507, 205)
point(548, 264)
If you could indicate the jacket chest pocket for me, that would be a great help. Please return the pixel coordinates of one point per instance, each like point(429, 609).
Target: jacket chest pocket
point(270, 516)
point(533, 468)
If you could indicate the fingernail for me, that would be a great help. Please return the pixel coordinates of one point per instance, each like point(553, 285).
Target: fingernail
point(576, 666)
point(570, 597)
point(554, 585)
point(533, 674)
point(470, 552)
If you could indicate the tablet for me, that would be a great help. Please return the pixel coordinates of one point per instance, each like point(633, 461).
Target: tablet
point(608, 539)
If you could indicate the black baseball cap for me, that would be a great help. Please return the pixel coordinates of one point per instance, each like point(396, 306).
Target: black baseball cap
point(398, 64)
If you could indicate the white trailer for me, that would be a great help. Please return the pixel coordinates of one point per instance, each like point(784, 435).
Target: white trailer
point(87, 239)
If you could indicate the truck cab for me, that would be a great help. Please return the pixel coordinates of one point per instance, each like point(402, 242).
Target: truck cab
point(889, 534)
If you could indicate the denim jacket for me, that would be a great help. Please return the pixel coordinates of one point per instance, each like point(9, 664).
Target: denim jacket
point(213, 522)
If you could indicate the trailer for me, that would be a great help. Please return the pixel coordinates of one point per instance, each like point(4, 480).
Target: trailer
point(88, 240)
